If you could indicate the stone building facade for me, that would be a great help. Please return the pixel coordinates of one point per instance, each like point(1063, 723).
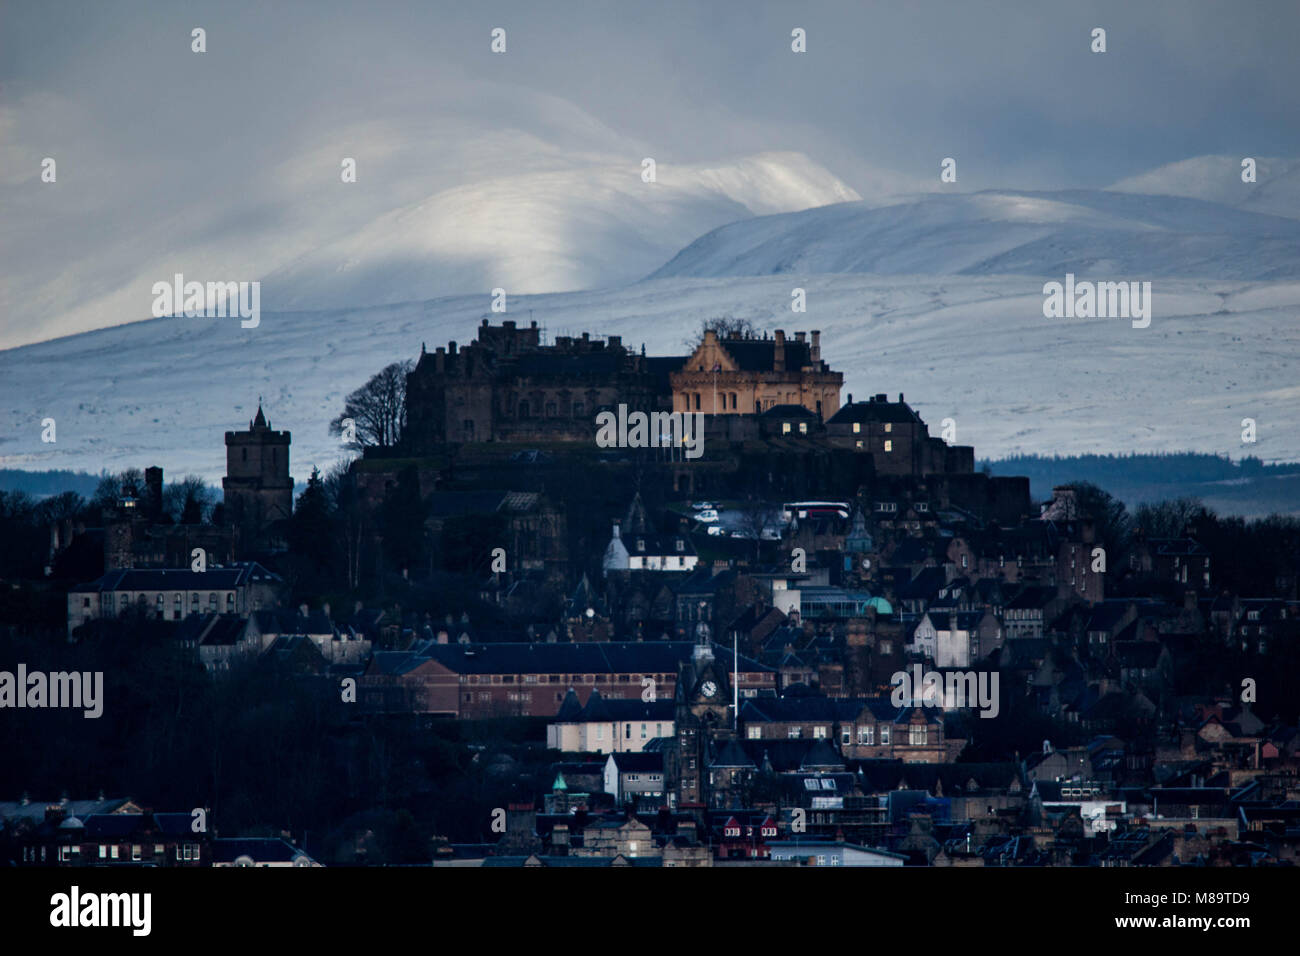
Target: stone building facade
point(748, 376)
point(508, 386)
point(258, 488)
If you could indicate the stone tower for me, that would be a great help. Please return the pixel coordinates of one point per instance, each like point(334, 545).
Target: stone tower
point(703, 719)
point(257, 486)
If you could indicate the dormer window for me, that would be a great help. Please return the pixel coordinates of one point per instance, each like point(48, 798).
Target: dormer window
point(640, 544)
point(681, 545)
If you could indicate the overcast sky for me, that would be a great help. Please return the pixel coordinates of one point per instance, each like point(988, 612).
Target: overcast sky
point(158, 147)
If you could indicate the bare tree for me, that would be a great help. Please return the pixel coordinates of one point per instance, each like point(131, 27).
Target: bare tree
point(377, 410)
point(756, 516)
point(189, 501)
point(727, 327)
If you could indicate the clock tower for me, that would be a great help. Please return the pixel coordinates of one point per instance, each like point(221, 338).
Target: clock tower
point(704, 725)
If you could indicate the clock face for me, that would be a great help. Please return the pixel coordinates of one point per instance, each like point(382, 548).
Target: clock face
point(708, 688)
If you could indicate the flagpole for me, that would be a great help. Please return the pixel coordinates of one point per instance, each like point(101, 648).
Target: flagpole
point(735, 680)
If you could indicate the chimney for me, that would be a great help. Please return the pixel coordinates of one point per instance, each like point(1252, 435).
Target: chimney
point(900, 398)
point(800, 336)
point(451, 348)
point(778, 354)
point(440, 359)
point(816, 353)
point(615, 341)
point(881, 397)
point(850, 398)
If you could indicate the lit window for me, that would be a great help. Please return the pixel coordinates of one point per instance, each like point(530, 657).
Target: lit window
point(857, 428)
point(889, 445)
point(889, 427)
point(785, 428)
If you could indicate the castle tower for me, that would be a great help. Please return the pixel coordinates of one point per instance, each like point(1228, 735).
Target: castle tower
point(257, 486)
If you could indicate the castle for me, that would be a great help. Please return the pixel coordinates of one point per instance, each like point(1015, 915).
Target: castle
point(507, 386)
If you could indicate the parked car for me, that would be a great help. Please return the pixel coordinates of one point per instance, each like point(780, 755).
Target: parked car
point(707, 516)
point(704, 506)
point(716, 529)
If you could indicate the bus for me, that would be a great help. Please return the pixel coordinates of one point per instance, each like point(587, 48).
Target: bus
point(793, 510)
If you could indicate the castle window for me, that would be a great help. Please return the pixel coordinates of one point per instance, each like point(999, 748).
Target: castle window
point(212, 601)
point(889, 427)
point(733, 400)
point(754, 732)
point(697, 401)
point(803, 428)
point(785, 428)
point(550, 410)
point(523, 409)
point(230, 601)
point(577, 409)
point(889, 445)
point(858, 444)
point(884, 734)
point(857, 428)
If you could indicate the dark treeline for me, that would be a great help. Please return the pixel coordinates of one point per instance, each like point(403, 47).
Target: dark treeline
point(40, 484)
point(1151, 469)
point(264, 750)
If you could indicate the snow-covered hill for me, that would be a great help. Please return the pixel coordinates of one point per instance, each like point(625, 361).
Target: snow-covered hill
point(580, 228)
point(976, 349)
point(526, 192)
point(1276, 190)
point(1100, 234)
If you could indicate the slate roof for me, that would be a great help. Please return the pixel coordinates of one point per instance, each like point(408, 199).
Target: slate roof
point(804, 709)
point(791, 411)
point(639, 762)
point(227, 577)
point(759, 355)
point(603, 708)
point(875, 411)
point(542, 658)
point(260, 849)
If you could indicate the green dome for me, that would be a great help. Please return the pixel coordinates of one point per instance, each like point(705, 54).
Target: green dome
point(881, 605)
